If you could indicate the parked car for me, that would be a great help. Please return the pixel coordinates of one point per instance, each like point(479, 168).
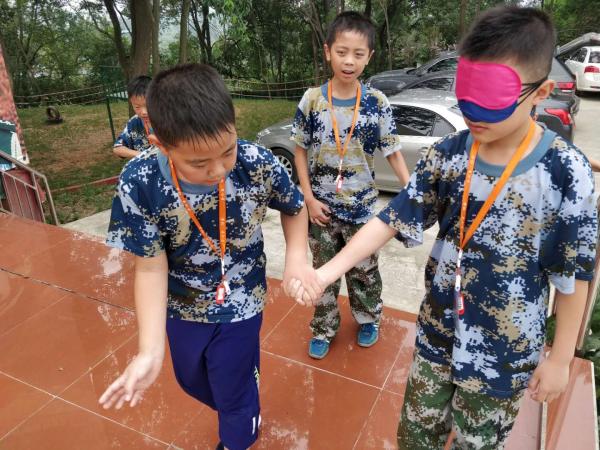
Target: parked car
point(422, 117)
point(554, 112)
point(392, 82)
point(585, 65)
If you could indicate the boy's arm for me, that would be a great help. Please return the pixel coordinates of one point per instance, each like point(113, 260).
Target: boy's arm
point(551, 377)
point(125, 152)
point(295, 231)
point(317, 210)
point(150, 292)
point(370, 238)
point(396, 160)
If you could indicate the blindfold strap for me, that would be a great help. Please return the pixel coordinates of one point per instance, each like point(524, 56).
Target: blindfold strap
point(530, 88)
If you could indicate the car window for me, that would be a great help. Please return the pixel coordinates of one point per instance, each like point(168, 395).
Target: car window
point(442, 127)
point(594, 58)
point(581, 55)
point(444, 64)
point(411, 121)
point(439, 84)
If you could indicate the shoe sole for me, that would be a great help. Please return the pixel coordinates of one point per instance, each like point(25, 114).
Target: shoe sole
point(371, 344)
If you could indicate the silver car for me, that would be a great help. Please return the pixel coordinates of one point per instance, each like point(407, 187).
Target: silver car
point(422, 117)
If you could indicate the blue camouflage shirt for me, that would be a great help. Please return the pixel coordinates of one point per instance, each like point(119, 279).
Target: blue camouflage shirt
point(133, 135)
point(541, 228)
point(375, 130)
point(148, 218)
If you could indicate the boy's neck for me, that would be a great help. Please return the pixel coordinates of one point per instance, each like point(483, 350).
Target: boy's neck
point(500, 151)
point(343, 90)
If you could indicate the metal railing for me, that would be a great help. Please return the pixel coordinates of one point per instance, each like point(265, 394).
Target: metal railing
point(25, 192)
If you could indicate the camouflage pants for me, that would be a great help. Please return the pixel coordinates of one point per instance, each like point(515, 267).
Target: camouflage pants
point(433, 405)
point(364, 281)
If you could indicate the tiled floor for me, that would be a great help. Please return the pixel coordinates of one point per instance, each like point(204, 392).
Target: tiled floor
point(67, 328)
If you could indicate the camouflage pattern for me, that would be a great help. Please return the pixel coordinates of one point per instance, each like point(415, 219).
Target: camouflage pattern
point(542, 228)
point(433, 405)
point(148, 218)
point(363, 281)
point(133, 135)
point(375, 130)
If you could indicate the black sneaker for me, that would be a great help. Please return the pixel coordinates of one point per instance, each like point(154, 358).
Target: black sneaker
point(220, 446)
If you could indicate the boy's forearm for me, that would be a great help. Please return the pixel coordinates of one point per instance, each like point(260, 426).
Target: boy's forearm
point(569, 314)
point(396, 160)
point(301, 162)
point(295, 231)
point(150, 291)
point(125, 152)
point(367, 241)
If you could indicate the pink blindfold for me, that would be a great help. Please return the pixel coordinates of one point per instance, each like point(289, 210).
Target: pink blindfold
point(489, 85)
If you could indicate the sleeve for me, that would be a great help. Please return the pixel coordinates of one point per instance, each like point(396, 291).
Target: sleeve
point(125, 138)
point(301, 126)
point(569, 251)
point(285, 195)
point(414, 209)
point(132, 227)
point(389, 140)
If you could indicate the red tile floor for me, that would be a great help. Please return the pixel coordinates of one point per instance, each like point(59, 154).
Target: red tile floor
point(67, 328)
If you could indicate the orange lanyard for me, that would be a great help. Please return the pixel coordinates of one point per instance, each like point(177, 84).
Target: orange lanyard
point(464, 238)
point(342, 149)
point(223, 288)
point(146, 127)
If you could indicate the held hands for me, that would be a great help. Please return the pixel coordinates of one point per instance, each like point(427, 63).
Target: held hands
point(130, 386)
point(306, 288)
point(549, 380)
point(318, 212)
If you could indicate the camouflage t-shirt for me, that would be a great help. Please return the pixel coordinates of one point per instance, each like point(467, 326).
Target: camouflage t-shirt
point(148, 218)
point(541, 228)
point(133, 135)
point(375, 130)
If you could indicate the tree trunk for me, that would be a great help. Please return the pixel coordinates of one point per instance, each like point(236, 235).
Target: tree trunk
point(462, 19)
point(183, 31)
point(124, 60)
point(206, 27)
point(368, 8)
point(142, 24)
point(155, 38)
point(315, 52)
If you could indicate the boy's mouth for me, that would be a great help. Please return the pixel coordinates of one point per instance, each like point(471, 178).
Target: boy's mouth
point(348, 72)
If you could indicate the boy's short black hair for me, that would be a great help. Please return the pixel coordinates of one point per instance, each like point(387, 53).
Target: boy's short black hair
point(138, 86)
point(351, 21)
point(523, 35)
point(189, 102)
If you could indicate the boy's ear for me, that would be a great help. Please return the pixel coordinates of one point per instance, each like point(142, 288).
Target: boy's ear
point(327, 52)
point(152, 139)
point(544, 91)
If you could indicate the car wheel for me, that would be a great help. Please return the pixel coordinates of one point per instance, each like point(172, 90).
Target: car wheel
point(287, 161)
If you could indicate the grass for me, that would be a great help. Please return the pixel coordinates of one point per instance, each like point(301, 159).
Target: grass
point(79, 150)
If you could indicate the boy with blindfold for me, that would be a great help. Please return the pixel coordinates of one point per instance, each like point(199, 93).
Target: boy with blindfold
point(516, 211)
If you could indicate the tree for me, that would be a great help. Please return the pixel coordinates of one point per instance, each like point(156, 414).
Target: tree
point(183, 31)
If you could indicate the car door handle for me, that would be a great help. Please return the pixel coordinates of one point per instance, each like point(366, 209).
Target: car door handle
point(423, 150)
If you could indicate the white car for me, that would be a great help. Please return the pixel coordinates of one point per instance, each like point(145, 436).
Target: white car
point(585, 65)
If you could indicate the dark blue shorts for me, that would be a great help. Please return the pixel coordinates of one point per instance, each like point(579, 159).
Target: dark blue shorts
point(218, 364)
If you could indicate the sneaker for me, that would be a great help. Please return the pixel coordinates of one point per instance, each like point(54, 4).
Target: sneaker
point(318, 348)
point(368, 334)
point(220, 446)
